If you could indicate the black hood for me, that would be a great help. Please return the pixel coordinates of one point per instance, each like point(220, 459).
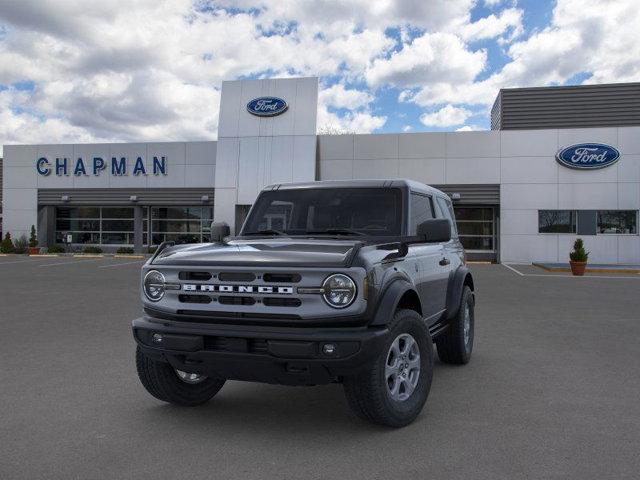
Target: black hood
point(274, 252)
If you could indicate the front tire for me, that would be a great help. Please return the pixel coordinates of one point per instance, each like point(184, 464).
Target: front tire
point(174, 386)
point(456, 344)
point(393, 389)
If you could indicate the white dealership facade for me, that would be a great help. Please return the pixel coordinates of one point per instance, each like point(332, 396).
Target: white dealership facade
point(514, 201)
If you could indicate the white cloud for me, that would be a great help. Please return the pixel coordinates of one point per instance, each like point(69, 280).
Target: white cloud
point(351, 122)
point(338, 96)
point(469, 128)
point(583, 37)
point(407, 128)
point(509, 20)
point(447, 116)
point(358, 118)
point(151, 69)
point(432, 57)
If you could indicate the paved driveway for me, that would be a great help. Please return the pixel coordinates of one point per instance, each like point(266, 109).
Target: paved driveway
point(553, 391)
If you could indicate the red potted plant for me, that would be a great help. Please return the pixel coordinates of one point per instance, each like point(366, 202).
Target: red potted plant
point(33, 242)
point(578, 258)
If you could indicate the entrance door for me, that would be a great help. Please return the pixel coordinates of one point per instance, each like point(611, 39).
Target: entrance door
point(477, 229)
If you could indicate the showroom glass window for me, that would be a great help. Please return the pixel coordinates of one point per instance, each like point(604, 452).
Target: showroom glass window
point(421, 210)
point(82, 223)
point(618, 222)
point(557, 221)
point(95, 225)
point(476, 228)
point(180, 224)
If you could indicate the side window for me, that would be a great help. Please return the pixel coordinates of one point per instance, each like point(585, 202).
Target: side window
point(421, 210)
point(447, 211)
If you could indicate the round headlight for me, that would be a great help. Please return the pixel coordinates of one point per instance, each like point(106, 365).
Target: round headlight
point(339, 290)
point(154, 285)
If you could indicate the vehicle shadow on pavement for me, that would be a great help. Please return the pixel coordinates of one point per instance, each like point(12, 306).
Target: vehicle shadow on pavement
point(269, 409)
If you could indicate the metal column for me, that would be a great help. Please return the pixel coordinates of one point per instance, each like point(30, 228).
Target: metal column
point(137, 229)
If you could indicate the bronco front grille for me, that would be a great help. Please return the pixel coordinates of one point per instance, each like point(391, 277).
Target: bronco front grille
point(205, 316)
point(234, 344)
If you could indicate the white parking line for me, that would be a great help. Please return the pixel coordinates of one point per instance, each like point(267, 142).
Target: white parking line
point(69, 263)
point(22, 261)
point(121, 264)
point(513, 270)
point(566, 276)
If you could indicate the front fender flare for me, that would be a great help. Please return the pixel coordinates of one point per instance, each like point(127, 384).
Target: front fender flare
point(389, 300)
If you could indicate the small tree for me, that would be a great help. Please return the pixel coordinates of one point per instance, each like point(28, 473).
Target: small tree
point(20, 245)
point(33, 239)
point(7, 244)
point(579, 254)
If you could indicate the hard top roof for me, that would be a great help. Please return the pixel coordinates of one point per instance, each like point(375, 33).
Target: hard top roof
point(382, 183)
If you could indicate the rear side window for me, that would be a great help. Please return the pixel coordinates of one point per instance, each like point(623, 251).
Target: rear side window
point(447, 211)
point(421, 210)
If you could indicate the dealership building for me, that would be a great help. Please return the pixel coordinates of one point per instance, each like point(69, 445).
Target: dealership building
point(559, 162)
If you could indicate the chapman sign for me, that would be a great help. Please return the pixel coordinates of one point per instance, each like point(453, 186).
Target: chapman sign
point(267, 106)
point(117, 166)
point(588, 156)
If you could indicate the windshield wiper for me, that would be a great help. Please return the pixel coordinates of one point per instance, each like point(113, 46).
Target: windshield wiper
point(268, 231)
point(337, 231)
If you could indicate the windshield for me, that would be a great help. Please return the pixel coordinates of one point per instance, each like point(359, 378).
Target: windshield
point(336, 211)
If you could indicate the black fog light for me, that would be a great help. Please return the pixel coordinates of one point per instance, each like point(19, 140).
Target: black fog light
point(329, 348)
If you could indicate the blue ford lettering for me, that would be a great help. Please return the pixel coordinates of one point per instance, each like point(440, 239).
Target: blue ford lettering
point(267, 106)
point(588, 156)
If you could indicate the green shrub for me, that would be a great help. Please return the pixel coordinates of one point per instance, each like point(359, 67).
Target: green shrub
point(579, 254)
point(33, 239)
point(21, 244)
point(124, 250)
point(92, 249)
point(7, 244)
point(56, 249)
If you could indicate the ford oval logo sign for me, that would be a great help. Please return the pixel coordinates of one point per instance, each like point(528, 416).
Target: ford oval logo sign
point(267, 106)
point(588, 156)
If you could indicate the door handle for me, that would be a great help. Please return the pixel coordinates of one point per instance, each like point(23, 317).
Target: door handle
point(444, 262)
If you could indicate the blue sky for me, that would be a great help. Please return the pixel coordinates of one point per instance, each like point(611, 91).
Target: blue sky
point(77, 71)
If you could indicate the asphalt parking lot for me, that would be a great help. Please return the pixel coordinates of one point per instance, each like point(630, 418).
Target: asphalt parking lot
point(553, 391)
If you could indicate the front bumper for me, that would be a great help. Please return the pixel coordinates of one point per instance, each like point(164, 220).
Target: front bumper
point(288, 356)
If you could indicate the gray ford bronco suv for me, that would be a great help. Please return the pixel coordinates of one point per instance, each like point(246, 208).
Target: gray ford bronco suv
point(339, 281)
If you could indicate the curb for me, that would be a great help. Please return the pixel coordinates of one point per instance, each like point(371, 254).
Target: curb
point(589, 270)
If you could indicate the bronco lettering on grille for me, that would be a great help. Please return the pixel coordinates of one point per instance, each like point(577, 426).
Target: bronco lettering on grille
point(260, 289)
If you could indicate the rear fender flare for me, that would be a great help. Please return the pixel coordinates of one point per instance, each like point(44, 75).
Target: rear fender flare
point(457, 282)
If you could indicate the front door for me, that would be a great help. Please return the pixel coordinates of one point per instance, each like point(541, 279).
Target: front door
point(432, 278)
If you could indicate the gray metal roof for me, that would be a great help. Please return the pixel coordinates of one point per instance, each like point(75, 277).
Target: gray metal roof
point(576, 106)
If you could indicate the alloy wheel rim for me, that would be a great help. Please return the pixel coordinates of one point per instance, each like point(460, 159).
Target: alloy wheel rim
point(402, 367)
point(191, 378)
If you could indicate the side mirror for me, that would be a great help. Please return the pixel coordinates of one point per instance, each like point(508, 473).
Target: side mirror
point(436, 230)
point(219, 230)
